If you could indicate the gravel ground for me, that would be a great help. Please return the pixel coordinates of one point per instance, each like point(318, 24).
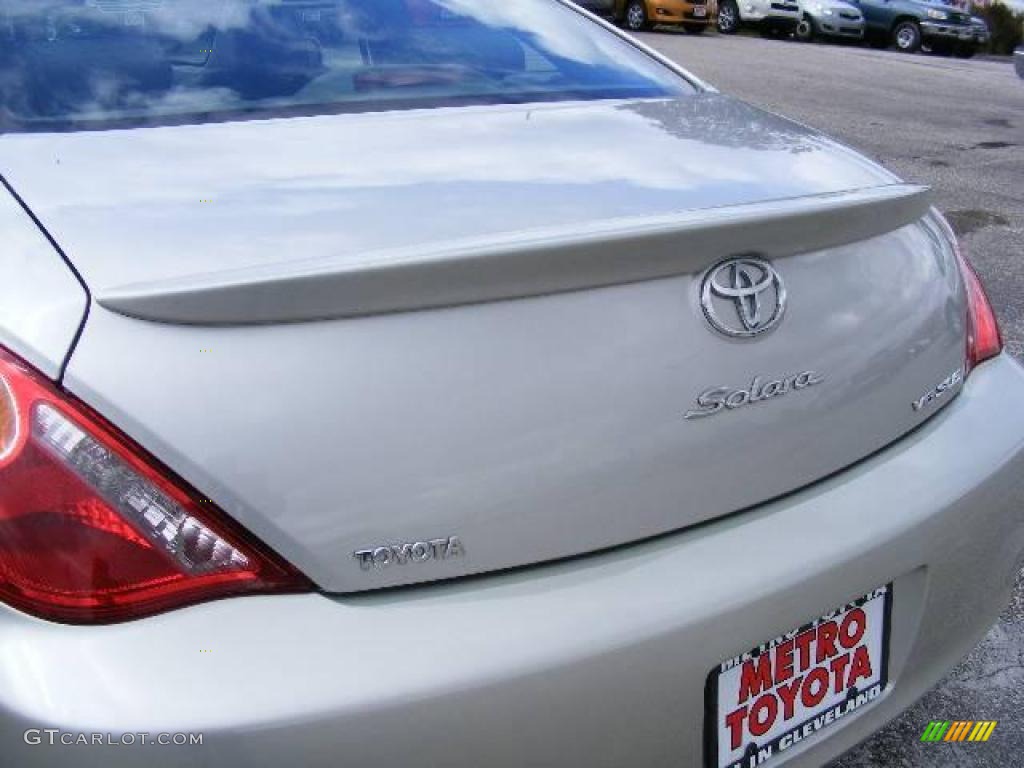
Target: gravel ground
point(957, 126)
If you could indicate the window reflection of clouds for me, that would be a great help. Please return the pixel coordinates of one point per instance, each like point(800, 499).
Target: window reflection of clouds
point(185, 20)
point(588, 61)
point(672, 152)
point(180, 19)
point(108, 92)
point(545, 27)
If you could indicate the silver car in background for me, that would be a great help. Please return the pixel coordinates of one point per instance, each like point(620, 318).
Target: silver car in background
point(831, 19)
point(450, 383)
point(771, 17)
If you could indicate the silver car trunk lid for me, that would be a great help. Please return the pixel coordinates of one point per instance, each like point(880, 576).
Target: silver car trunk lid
point(403, 347)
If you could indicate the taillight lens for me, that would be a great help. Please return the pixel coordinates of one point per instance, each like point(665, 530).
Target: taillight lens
point(983, 339)
point(93, 530)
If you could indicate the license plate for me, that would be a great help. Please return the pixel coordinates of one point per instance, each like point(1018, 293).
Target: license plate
point(766, 701)
point(700, 11)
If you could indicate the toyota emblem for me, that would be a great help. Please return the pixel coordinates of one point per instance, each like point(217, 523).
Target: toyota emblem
point(743, 297)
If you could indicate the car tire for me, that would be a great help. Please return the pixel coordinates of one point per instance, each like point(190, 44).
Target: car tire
point(728, 17)
point(694, 30)
point(805, 30)
point(906, 36)
point(636, 16)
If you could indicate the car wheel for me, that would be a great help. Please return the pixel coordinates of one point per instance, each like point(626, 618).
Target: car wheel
point(636, 16)
point(728, 18)
point(693, 30)
point(907, 36)
point(805, 30)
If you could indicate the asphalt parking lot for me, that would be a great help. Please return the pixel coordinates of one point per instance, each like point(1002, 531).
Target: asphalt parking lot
point(957, 126)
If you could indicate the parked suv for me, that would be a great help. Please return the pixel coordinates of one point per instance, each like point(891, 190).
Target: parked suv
point(771, 16)
point(908, 24)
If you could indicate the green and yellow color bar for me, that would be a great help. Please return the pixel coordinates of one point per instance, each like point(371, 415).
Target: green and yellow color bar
point(959, 730)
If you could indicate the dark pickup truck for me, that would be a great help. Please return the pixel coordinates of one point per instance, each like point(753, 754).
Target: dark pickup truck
point(909, 24)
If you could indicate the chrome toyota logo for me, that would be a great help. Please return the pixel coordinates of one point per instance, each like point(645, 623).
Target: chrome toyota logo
point(743, 297)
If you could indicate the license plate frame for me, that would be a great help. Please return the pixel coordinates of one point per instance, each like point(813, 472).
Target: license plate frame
point(876, 606)
point(700, 12)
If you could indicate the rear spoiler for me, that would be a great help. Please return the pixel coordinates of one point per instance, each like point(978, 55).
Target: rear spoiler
point(520, 264)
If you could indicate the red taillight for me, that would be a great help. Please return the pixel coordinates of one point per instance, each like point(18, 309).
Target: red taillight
point(983, 339)
point(93, 530)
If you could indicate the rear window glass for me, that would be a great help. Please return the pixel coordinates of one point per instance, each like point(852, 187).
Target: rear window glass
point(75, 64)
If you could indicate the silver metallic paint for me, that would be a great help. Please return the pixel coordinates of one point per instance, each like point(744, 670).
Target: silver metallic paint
point(534, 428)
point(41, 303)
point(497, 668)
point(596, 662)
point(300, 197)
point(815, 9)
point(530, 262)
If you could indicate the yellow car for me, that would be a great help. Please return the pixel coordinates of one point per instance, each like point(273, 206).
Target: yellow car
point(637, 15)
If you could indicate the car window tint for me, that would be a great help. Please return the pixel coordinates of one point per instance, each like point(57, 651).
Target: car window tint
point(69, 64)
